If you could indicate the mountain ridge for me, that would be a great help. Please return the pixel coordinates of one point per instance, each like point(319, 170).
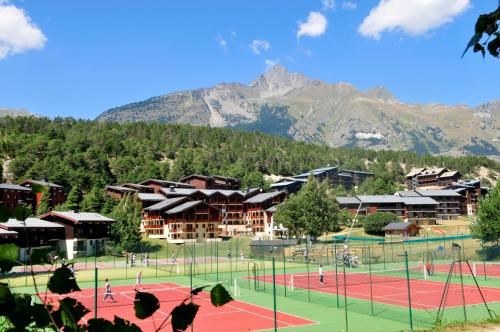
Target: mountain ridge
point(338, 114)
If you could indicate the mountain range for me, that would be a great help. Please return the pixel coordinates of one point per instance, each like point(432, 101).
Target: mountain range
point(14, 112)
point(292, 105)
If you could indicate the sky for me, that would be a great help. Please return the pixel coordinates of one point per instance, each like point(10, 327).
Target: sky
point(79, 58)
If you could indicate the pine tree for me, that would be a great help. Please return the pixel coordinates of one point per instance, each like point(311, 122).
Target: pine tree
point(44, 205)
point(94, 200)
point(72, 201)
point(487, 226)
point(126, 229)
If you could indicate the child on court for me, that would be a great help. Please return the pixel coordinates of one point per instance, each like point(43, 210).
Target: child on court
point(138, 280)
point(107, 292)
point(321, 274)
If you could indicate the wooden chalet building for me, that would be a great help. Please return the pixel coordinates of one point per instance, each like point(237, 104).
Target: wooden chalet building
point(422, 210)
point(404, 229)
point(34, 233)
point(153, 217)
point(350, 179)
point(212, 182)
point(12, 195)
point(471, 191)
point(57, 194)
point(7, 236)
point(431, 177)
point(159, 184)
point(148, 199)
point(450, 202)
point(258, 220)
point(84, 231)
point(118, 192)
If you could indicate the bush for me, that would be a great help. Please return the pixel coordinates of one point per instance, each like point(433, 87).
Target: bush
point(374, 223)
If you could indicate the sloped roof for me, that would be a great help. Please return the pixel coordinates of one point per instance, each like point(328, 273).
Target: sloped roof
point(433, 171)
point(184, 207)
point(347, 200)
point(316, 171)
point(437, 193)
point(167, 183)
point(357, 172)
point(43, 183)
point(150, 197)
point(449, 174)
point(166, 203)
point(10, 186)
point(5, 232)
point(408, 193)
point(29, 223)
point(419, 201)
point(120, 188)
point(380, 199)
point(415, 171)
point(78, 217)
point(398, 226)
point(263, 197)
point(284, 183)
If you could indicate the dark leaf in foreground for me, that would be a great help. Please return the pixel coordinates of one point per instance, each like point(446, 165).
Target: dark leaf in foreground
point(183, 316)
point(219, 296)
point(145, 305)
point(70, 312)
point(122, 325)
point(7, 301)
point(8, 257)
point(197, 290)
point(63, 281)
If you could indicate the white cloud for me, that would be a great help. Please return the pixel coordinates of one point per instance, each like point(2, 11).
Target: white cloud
point(233, 33)
point(221, 42)
point(17, 32)
point(259, 45)
point(414, 17)
point(271, 63)
point(315, 25)
point(349, 5)
point(328, 4)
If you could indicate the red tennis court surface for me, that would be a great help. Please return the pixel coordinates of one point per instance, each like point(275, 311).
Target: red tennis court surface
point(234, 316)
point(490, 270)
point(425, 294)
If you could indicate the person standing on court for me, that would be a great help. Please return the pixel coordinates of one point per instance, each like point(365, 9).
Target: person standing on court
point(321, 281)
point(107, 292)
point(138, 281)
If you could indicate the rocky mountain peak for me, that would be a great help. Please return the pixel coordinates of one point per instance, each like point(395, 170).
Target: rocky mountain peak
point(380, 92)
point(278, 81)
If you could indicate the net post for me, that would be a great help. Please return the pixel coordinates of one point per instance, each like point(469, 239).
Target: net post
point(371, 282)
point(308, 280)
point(409, 292)
point(95, 293)
point(274, 297)
point(336, 275)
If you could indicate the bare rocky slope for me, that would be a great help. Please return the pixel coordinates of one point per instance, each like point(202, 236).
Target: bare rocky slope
point(292, 105)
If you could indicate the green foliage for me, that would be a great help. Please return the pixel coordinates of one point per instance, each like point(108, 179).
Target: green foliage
point(312, 211)
point(145, 305)
point(219, 296)
point(127, 213)
point(72, 201)
point(94, 200)
point(486, 25)
point(44, 205)
point(85, 154)
point(381, 184)
point(8, 257)
point(487, 225)
point(63, 281)
point(374, 223)
point(22, 212)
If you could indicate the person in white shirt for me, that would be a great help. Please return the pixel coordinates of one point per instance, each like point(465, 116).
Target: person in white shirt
point(138, 281)
point(107, 292)
point(321, 274)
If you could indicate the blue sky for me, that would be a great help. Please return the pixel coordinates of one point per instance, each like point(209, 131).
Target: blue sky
point(79, 58)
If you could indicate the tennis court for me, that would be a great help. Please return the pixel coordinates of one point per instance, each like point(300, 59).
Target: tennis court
point(480, 269)
point(388, 287)
point(234, 316)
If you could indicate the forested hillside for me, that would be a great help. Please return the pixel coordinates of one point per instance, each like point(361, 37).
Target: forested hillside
point(88, 153)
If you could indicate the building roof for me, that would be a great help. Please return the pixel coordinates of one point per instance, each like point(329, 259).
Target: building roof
point(285, 183)
point(207, 192)
point(136, 186)
point(150, 197)
point(380, 199)
point(264, 197)
point(5, 232)
point(120, 188)
point(419, 201)
point(433, 171)
point(408, 193)
point(166, 203)
point(449, 174)
point(10, 186)
point(29, 223)
point(357, 172)
point(398, 226)
point(345, 174)
point(347, 200)
point(42, 183)
point(78, 217)
point(415, 171)
point(438, 193)
point(184, 207)
point(316, 171)
point(166, 183)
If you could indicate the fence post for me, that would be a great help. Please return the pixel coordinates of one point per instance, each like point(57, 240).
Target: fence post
point(336, 275)
point(409, 292)
point(371, 283)
point(95, 293)
point(308, 281)
point(156, 265)
point(284, 271)
point(345, 295)
point(274, 297)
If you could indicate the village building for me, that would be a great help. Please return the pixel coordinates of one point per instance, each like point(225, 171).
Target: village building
point(119, 192)
point(430, 177)
point(258, 218)
point(212, 182)
point(85, 232)
point(157, 184)
point(12, 195)
point(450, 202)
point(471, 192)
point(404, 229)
point(148, 199)
point(153, 218)
point(33, 233)
point(57, 194)
point(7, 236)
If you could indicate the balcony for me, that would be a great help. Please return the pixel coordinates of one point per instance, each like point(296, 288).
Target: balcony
point(152, 226)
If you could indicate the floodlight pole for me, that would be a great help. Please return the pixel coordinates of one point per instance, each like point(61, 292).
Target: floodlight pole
point(353, 221)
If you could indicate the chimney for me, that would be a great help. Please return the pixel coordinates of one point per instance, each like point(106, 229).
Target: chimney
point(172, 189)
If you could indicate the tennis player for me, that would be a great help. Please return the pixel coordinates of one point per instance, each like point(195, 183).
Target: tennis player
point(138, 280)
point(321, 274)
point(107, 292)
